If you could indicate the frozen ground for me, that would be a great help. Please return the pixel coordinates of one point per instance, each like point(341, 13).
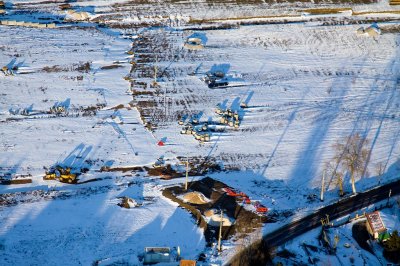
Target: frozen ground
point(307, 86)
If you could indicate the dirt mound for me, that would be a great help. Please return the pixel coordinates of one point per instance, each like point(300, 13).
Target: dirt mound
point(195, 198)
point(215, 220)
point(209, 213)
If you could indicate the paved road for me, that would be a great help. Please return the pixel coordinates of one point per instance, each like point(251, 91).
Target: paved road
point(256, 254)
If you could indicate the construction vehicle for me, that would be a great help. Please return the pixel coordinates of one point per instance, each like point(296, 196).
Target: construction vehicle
point(233, 193)
point(236, 124)
point(7, 71)
point(187, 130)
point(218, 109)
point(224, 120)
point(63, 174)
point(197, 135)
point(130, 52)
point(128, 78)
point(260, 208)
point(215, 79)
point(57, 109)
point(240, 196)
point(205, 138)
point(182, 119)
point(193, 44)
point(159, 163)
point(195, 120)
point(236, 115)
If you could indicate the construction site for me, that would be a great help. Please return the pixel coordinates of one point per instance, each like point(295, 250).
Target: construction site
point(207, 133)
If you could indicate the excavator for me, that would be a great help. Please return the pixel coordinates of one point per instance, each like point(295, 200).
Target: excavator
point(63, 174)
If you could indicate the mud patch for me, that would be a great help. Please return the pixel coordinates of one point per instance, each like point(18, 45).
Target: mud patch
point(241, 220)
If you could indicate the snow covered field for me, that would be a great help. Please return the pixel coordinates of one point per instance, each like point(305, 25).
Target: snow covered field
point(307, 86)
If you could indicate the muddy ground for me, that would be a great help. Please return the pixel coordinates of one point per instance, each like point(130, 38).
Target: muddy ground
point(245, 221)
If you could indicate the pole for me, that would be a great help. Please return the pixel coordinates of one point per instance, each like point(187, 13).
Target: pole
point(187, 173)
point(155, 74)
point(220, 232)
point(390, 193)
point(322, 186)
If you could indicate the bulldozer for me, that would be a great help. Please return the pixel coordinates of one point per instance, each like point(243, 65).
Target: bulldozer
point(63, 174)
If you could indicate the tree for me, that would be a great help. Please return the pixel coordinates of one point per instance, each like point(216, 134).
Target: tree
point(336, 174)
point(380, 170)
point(392, 247)
point(352, 156)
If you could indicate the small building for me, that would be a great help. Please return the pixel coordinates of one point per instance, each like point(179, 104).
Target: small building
point(375, 226)
point(156, 255)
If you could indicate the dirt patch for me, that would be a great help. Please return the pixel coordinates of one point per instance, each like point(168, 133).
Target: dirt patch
point(122, 169)
point(16, 181)
point(80, 67)
point(111, 67)
point(165, 172)
point(243, 221)
point(360, 234)
point(198, 166)
point(118, 107)
point(142, 93)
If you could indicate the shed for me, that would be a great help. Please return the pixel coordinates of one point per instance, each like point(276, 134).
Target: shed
point(156, 255)
point(375, 225)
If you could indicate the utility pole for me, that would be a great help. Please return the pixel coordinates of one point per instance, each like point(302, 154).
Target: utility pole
point(323, 186)
point(390, 194)
point(187, 173)
point(220, 232)
point(155, 74)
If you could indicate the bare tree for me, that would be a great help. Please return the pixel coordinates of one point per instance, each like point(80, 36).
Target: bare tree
point(380, 170)
point(352, 156)
point(334, 171)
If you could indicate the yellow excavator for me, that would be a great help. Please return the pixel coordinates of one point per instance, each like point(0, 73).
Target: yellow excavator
point(63, 174)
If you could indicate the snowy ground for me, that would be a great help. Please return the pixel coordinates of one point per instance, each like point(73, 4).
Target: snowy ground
point(307, 86)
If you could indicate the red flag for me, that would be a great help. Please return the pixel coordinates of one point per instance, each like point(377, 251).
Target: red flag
point(160, 143)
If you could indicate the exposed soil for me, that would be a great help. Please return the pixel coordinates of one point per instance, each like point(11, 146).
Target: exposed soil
point(360, 234)
point(245, 221)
